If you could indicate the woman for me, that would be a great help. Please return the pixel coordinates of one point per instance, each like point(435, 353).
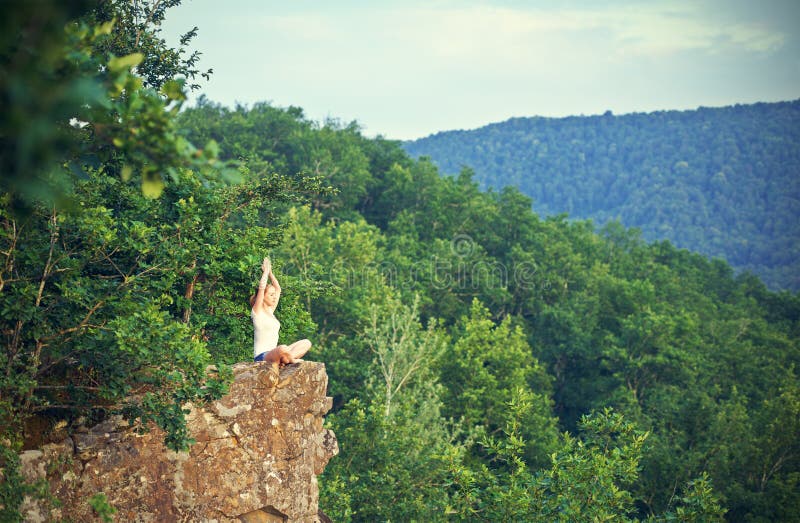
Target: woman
point(266, 325)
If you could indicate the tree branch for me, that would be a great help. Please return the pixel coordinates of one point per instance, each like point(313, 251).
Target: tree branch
point(144, 25)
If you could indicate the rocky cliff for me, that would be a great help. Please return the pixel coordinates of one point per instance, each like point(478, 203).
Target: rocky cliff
point(258, 452)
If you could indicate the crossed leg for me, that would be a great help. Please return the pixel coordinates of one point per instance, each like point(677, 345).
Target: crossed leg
point(298, 349)
point(285, 354)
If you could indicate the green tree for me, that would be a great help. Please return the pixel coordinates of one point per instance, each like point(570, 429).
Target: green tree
point(394, 439)
point(482, 372)
point(727, 199)
point(587, 479)
point(99, 305)
point(97, 112)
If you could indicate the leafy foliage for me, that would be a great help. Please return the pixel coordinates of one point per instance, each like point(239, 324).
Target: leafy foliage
point(569, 320)
point(102, 507)
point(721, 182)
point(109, 290)
point(486, 368)
point(395, 436)
point(485, 363)
point(70, 99)
point(586, 480)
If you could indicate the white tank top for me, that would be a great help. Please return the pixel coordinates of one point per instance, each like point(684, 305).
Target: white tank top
point(265, 332)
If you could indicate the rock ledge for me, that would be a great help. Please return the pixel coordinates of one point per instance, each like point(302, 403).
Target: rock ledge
point(258, 452)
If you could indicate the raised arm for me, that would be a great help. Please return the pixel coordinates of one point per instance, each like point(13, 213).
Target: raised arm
point(277, 286)
point(266, 268)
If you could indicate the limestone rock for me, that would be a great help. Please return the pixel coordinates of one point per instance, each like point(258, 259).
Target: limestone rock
point(258, 452)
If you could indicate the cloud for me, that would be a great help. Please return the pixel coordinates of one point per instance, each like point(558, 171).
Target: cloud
point(466, 32)
point(447, 36)
point(408, 67)
point(757, 39)
point(668, 31)
point(505, 40)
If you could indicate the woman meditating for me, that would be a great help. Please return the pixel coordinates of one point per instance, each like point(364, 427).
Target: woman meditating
point(266, 325)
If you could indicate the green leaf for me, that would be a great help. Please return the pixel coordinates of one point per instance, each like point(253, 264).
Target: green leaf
point(122, 63)
point(173, 90)
point(152, 186)
point(173, 174)
point(211, 150)
point(105, 28)
point(231, 175)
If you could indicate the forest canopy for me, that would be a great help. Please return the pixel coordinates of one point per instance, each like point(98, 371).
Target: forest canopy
point(517, 334)
point(719, 181)
point(485, 363)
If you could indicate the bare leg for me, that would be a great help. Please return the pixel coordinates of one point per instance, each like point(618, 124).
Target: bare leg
point(298, 349)
point(278, 356)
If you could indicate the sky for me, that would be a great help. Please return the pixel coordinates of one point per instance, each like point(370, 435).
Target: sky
point(407, 69)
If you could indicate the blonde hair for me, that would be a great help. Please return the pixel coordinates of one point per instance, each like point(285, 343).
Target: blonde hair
point(253, 296)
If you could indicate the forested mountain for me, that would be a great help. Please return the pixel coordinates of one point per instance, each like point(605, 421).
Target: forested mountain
point(486, 364)
point(724, 182)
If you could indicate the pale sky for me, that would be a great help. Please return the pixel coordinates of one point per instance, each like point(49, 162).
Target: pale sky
point(406, 69)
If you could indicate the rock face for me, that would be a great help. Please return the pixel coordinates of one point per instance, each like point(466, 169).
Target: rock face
point(258, 452)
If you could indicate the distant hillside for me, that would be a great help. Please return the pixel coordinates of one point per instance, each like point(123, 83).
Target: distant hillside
point(724, 182)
